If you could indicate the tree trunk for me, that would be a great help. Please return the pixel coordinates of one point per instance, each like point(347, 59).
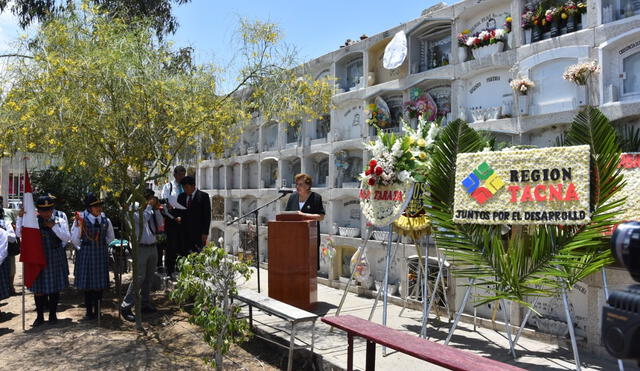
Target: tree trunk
point(223, 331)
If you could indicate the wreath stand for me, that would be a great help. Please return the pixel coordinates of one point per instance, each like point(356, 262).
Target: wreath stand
point(385, 300)
point(605, 287)
point(460, 310)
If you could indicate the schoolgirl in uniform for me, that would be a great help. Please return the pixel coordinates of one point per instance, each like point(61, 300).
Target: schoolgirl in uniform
point(91, 233)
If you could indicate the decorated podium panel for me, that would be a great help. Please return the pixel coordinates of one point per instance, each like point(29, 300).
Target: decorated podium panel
point(293, 260)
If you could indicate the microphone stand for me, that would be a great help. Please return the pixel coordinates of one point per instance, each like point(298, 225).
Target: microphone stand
point(255, 211)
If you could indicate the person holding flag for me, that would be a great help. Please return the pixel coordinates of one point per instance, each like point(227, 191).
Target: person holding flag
point(91, 233)
point(46, 272)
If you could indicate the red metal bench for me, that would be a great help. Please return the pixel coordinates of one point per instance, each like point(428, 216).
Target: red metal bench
point(438, 354)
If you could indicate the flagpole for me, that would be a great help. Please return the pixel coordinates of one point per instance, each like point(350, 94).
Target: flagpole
point(23, 300)
point(23, 289)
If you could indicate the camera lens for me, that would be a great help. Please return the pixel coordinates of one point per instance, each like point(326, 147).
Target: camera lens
point(625, 246)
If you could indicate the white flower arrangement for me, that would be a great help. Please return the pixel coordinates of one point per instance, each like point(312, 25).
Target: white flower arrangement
point(400, 159)
point(522, 85)
point(631, 208)
point(581, 72)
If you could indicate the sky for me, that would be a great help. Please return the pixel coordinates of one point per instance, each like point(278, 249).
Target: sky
point(313, 27)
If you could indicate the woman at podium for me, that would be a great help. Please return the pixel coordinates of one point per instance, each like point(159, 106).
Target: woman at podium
point(307, 203)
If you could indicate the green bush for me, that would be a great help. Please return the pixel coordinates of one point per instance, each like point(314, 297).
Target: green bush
point(209, 280)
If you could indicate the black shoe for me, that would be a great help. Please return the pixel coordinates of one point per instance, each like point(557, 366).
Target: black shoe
point(53, 318)
point(39, 321)
point(127, 314)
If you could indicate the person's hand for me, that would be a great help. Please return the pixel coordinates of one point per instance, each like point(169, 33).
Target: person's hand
point(21, 212)
point(205, 237)
point(49, 223)
point(178, 220)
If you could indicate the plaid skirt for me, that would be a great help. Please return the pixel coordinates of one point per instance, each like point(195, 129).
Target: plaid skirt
point(92, 268)
point(55, 276)
point(5, 284)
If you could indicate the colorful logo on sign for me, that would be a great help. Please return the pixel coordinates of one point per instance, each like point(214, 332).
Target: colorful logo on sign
point(482, 183)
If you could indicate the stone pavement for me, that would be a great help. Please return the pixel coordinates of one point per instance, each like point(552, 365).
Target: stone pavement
point(331, 347)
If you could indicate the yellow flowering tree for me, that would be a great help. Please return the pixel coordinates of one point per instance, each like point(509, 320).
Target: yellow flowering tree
point(106, 95)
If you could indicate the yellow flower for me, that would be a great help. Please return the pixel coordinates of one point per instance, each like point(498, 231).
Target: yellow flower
point(31, 145)
point(422, 142)
point(422, 156)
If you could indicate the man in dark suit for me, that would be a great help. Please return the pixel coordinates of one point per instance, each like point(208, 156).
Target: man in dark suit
point(196, 218)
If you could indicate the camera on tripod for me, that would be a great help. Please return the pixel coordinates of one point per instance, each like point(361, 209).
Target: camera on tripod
point(621, 314)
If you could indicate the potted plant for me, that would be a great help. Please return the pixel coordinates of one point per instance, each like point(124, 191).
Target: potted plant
point(521, 87)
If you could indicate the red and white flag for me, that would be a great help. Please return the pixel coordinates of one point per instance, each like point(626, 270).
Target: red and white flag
point(31, 251)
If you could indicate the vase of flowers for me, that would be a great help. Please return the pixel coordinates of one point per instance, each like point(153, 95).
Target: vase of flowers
point(521, 86)
point(571, 11)
point(487, 42)
point(462, 45)
point(552, 16)
point(539, 22)
point(580, 73)
point(526, 23)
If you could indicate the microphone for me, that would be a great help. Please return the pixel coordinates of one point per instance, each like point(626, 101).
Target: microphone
point(285, 191)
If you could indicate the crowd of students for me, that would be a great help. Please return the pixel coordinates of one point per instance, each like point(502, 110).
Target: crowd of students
point(185, 219)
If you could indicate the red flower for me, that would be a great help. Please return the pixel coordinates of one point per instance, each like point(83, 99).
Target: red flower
point(373, 163)
point(372, 181)
point(378, 170)
point(368, 172)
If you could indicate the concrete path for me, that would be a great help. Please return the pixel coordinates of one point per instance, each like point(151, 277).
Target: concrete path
point(331, 346)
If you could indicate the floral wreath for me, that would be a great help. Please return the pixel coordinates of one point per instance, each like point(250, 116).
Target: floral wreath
point(398, 162)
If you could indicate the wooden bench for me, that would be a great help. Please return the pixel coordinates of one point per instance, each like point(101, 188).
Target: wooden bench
point(438, 354)
point(281, 310)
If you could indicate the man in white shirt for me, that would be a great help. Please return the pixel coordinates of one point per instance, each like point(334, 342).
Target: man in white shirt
point(172, 229)
point(147, 257)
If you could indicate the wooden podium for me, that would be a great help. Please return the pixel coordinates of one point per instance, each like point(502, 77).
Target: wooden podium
point(293, 260)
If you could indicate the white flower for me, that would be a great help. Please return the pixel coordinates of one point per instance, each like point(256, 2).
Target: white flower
point(404, 176)
point(499, 32)
point(221, 241)
point(396, 149)
point(471, 41)
point(431, 134)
